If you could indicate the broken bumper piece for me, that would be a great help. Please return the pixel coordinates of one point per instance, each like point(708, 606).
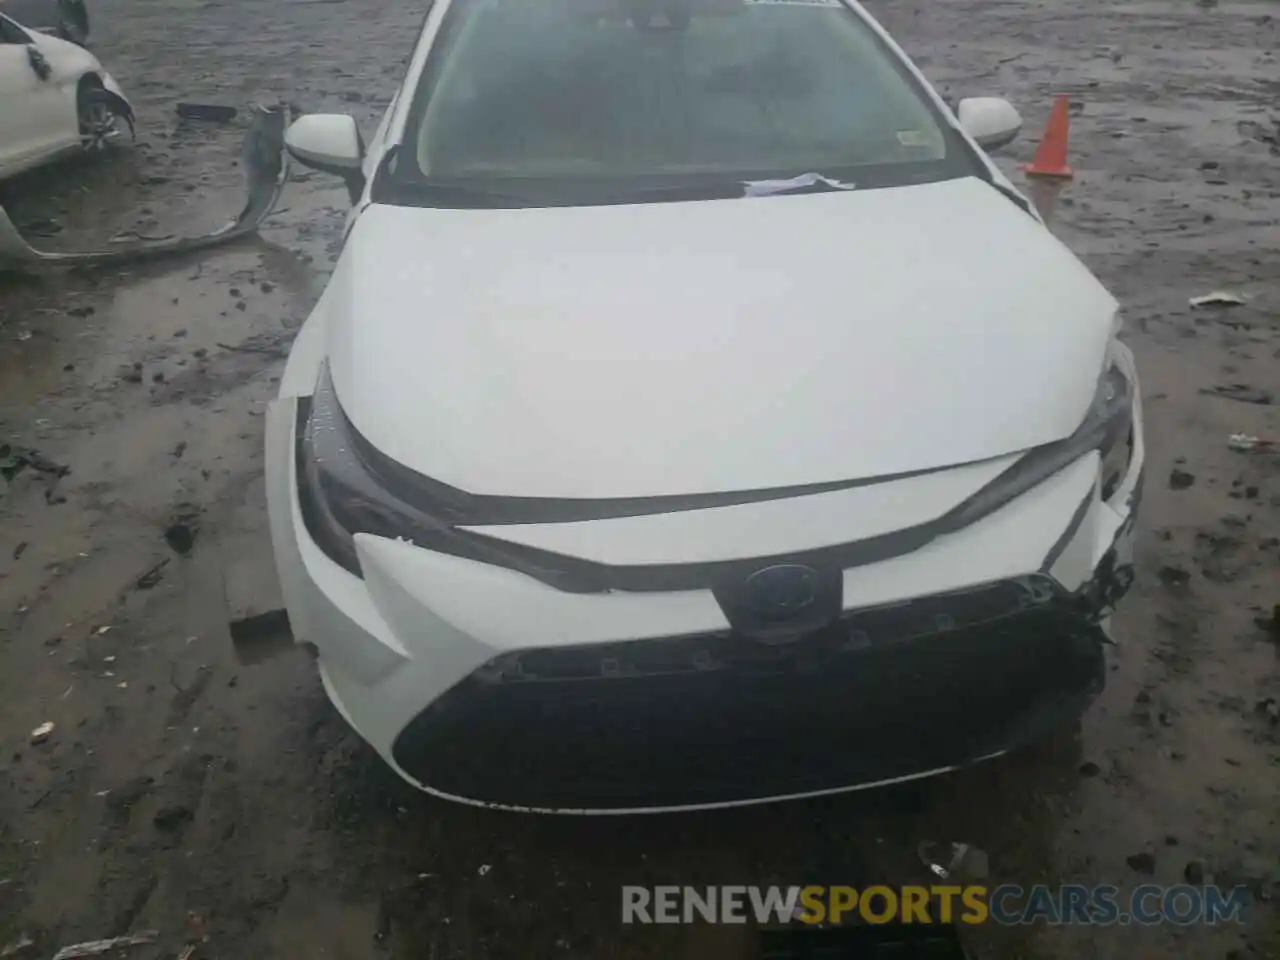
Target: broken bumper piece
point(265, 166)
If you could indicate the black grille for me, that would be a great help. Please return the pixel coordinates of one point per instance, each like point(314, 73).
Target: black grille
point(882, 693)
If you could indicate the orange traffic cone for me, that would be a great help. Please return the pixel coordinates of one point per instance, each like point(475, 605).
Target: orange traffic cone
point(1051, 156)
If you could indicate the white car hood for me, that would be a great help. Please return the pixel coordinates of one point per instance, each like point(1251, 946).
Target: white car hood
point(674, 348)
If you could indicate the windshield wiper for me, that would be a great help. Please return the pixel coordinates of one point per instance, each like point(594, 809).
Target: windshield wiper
point(733, 189)
point(477, 197)
point(729, 189)
point(586, 192)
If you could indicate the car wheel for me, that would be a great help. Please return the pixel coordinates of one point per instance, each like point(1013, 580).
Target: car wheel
point(98, 124)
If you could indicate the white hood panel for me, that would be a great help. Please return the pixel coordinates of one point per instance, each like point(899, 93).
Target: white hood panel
point(674, 348)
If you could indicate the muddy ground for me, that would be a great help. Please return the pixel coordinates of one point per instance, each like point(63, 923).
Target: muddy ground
point(227, 806)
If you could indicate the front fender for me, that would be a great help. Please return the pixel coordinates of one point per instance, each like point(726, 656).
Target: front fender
point(113, 85)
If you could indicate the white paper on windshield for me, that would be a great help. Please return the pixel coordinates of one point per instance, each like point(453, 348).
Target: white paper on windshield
point(765, 188)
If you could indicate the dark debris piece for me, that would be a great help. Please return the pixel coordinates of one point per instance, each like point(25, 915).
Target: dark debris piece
point(171, 818)
point(42, 227)
point(13, 460)
point(1144, 863)
point(1240, 392)
point(152, 576)
point(262, 626)
point(1269, 707)
point(1271, 624)
point(181, 534)
point(217, 112)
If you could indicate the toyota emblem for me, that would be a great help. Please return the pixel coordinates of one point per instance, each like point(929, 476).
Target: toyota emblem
point(781, 592)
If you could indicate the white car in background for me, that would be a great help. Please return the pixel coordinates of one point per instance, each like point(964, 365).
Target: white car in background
point(695, 416)
point(55, 98)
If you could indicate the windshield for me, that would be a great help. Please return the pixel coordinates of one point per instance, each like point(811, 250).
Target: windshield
point(586, 100)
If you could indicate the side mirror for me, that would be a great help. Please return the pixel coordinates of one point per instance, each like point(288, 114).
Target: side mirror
point(330, 143)
point(991, 121)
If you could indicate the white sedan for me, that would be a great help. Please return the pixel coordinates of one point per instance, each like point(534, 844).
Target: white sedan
point(55, 98)
point(695, 416)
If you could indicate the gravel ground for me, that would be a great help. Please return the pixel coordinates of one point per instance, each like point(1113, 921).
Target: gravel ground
point(225, 805)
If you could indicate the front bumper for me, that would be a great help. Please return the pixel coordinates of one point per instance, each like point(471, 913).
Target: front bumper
point(479, 684)
point(711, 720)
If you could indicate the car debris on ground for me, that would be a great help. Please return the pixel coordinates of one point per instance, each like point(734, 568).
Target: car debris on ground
point(947, 860)
point(1244, 443)
point(256, 618)
point(217, 112)
point(151, 576)
point(1219, 298)
point(1241, 392)
point(14, 459)
point(95, 948)
point(266, 170)
point(15, 947)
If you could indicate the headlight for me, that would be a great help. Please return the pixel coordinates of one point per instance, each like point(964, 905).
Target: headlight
point(1115, 464)
point(338, 491)
point(345, 487)
point(1107, 428)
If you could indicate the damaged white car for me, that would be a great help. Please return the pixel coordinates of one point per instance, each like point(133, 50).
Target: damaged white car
point(55, 98)
point(695, 416)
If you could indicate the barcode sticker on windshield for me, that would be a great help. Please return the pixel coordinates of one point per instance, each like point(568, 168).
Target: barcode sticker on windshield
point(912, 138)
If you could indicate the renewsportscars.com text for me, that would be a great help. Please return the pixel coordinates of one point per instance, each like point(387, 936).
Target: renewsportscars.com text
point(1007, 904)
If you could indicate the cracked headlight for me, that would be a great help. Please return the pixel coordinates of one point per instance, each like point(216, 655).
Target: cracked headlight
point(346, 487)
point(341, 494)
point(1115, 393)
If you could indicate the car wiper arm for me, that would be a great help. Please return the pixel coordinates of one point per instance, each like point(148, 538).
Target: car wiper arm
point(731, 189)
point(471, 196)
point(465, 195)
